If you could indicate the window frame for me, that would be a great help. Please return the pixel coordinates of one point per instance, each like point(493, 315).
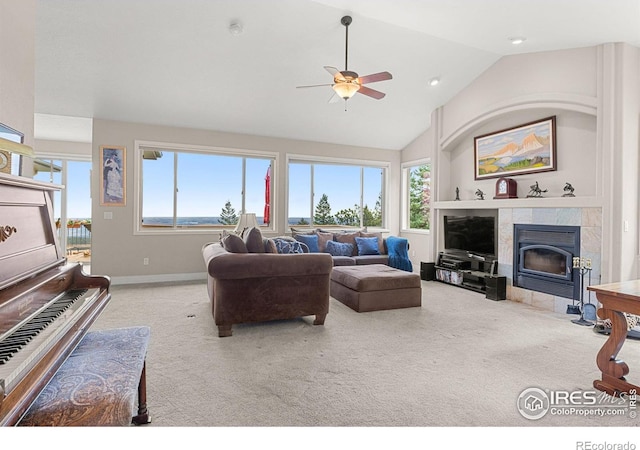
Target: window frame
point(141, 145)
point(405, 168)
point(326, 160)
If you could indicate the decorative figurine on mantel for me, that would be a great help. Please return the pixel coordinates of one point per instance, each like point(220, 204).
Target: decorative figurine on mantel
point(479, 195)
point(457, 194)
point(535, 190)
point(568, 190)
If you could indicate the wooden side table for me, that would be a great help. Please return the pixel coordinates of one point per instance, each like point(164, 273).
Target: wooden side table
point(616, 299)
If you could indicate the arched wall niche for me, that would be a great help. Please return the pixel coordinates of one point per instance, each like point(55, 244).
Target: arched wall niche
point(551, 102)
point(576, 146)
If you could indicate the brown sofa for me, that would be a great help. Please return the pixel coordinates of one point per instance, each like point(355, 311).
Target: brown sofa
point(255, 287)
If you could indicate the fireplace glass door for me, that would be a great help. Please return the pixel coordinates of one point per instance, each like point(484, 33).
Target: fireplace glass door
point(543, 258)
point(546, 260)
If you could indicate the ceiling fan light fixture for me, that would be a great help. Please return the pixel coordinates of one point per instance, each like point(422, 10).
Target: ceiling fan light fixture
point(346, 90)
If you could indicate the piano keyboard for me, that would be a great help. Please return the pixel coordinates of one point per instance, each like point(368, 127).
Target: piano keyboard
point(33, 340)
point(21, 336)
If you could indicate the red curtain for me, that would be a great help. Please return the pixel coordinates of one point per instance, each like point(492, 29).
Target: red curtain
point(267, 197)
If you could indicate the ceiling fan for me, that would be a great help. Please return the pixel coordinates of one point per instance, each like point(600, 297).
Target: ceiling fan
point(346, 83)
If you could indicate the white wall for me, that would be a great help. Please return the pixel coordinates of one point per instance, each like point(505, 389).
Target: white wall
point(594, 94)
point(17, 65)
point(63, 149)
point(575, 157)
point(117, 252)
point(625, 187)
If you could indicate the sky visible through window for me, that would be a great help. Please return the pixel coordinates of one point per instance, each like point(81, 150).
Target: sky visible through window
point(201, 194)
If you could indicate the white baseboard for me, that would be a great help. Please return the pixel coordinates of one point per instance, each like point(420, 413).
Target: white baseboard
point(164, 278)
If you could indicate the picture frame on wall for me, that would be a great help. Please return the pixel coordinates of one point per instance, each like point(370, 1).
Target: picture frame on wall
point(527, 148)
point(113, 176)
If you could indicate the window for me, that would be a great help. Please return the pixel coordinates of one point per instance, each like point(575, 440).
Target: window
point(71, 205)
point(333, 193)
point(417, 188)
point(196, 188)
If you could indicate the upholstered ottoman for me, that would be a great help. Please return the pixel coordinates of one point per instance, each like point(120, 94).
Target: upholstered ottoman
point(375, 287)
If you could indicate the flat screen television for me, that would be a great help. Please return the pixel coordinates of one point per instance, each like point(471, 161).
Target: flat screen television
point(470, 234)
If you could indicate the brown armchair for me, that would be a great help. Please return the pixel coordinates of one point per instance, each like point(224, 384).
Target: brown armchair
point(257, 287)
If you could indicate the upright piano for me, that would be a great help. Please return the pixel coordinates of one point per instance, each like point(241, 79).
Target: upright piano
point(47, 304)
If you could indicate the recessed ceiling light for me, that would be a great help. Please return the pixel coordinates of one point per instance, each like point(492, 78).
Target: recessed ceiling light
point(517, 40)
point(235, 28)
point(434, 81)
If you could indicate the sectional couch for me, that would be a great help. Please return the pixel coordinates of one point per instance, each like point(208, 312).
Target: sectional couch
point(255, 279)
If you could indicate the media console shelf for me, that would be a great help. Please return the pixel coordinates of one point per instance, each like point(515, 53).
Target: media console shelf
point(472, 272)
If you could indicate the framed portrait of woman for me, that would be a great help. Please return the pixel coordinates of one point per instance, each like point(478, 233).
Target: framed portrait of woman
point(112, 176)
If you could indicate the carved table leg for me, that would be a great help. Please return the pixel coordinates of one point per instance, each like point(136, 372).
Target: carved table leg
point(613, 370)
point(143, 417)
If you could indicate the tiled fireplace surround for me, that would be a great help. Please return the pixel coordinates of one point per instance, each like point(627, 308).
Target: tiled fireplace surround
point(590, 222)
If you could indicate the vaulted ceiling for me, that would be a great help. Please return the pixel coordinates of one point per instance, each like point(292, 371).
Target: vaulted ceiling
point(175, 62)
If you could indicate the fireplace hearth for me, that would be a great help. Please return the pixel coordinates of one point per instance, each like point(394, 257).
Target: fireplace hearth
point(543, 259)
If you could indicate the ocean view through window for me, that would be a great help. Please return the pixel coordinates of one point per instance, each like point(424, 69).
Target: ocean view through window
point(191, 188)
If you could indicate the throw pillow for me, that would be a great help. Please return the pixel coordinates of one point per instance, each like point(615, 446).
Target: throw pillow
point(310, 239)
point(253, 240)
point(233, 243)
point(339, 248)
point(348, 238)
point(367, 245)
point(295, 231)
point(286, 246)
point(323, 238)
point(377, 235)
point(269, 246)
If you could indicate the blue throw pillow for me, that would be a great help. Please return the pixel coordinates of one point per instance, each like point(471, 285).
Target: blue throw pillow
point(310, 239)
point(367, 245)
point(288, 246)
point(339, 249)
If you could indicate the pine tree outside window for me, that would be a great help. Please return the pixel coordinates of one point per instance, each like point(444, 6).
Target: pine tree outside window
point(417, 214)
point(336, 193)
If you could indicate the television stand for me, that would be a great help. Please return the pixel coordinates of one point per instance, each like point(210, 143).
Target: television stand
point(479, 274)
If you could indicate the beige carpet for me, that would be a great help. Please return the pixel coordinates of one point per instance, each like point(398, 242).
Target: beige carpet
point(459, 360)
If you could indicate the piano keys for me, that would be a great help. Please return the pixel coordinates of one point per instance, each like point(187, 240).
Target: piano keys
point(21, 335)
point(46, 303)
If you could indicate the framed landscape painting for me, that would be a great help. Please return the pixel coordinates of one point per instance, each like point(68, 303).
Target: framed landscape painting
point(523, 149)
point(112, 176)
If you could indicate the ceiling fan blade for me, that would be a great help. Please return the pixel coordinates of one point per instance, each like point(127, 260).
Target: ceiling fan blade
point(381, 76)
point(332, 70)
point(335, 73)
point(371, 92)
point(314, 85)
point(335, 98)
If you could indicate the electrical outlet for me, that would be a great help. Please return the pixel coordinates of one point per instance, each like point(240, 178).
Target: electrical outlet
point(145, 261)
